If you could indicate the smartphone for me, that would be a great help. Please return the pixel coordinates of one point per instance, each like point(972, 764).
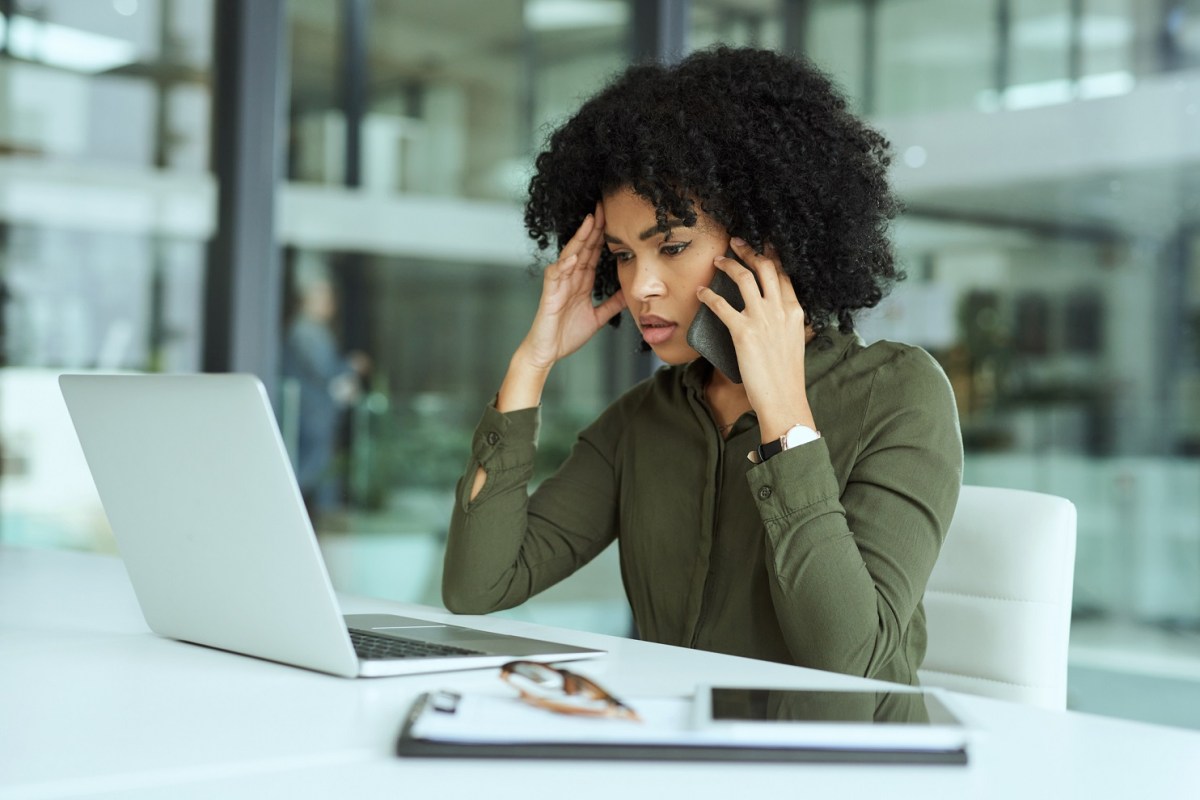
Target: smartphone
point(916, 719)
point(708, 336)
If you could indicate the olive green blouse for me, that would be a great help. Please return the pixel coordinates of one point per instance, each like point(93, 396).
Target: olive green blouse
point(817, 557)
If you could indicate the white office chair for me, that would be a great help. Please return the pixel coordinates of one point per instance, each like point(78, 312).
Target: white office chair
point(998, 603)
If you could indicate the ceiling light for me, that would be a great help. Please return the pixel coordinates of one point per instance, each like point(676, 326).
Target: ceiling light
point(559, 15)
point(61, 46)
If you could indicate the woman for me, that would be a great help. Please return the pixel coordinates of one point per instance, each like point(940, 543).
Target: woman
point(793, 517)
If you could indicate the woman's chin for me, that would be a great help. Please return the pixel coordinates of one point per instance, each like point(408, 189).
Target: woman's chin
point(674, 354)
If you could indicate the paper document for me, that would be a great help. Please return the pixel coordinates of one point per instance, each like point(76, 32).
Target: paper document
point(449, 724)
point(484, 718)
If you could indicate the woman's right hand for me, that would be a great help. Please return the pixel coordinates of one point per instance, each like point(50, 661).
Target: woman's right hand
point(566, 318)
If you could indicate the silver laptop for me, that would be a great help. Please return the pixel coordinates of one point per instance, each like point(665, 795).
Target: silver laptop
point(200, 494)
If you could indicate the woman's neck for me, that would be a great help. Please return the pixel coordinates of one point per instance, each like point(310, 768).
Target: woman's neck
point(727, 401)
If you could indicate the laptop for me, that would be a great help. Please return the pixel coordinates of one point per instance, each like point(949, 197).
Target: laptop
point(200, 494)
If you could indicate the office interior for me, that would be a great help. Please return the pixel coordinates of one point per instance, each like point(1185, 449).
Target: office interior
point(1047, 152)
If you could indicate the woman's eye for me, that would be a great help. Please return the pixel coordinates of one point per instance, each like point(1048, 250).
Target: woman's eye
point(674, 248)
point(622, 256)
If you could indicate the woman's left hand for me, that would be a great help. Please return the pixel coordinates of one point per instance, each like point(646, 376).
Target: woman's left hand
point(769, 336)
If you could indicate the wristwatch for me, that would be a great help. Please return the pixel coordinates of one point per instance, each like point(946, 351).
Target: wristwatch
point(794, 437)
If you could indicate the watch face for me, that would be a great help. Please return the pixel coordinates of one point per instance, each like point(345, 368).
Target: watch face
point(798, 435)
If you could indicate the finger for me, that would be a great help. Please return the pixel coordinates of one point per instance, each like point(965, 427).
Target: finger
point(764, 264)
point(743, 276)
point(561, 269)
point(583, 274)
point(595, 235)
point(575, 244)
point(580, 279)
point(719, 306)
point(787, 288)
point(594, 243)
point(597, 231)
point(586, 241)
point(584, 271)
point(610, 307)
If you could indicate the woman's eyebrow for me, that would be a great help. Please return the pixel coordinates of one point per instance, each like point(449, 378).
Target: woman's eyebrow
point(646, 234)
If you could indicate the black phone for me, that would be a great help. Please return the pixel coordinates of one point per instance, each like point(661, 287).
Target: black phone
point(708, 336)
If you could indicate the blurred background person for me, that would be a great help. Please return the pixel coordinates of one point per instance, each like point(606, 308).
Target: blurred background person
point(325, 382)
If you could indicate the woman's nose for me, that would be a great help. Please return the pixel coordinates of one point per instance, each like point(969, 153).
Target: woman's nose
point(647, 282)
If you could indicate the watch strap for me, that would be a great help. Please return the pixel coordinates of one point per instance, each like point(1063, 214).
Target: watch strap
point(797, 435)
point(771, 448)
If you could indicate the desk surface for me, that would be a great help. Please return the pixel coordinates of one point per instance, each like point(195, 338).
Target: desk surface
point(92, 702)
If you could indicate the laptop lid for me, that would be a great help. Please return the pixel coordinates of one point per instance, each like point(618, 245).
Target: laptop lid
point(198, 489)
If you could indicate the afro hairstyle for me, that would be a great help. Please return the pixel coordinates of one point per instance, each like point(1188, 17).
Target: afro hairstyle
point(764, 144)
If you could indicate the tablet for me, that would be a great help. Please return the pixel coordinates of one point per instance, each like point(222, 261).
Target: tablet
point(902, 719)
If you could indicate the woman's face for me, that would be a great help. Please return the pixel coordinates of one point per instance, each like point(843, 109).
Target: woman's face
point(659, 271)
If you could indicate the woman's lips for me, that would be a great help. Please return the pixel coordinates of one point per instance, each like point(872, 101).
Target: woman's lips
point(656, 330)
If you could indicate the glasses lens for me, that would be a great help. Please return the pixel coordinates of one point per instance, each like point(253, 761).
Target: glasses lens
point(568, 693)
point(537, 679)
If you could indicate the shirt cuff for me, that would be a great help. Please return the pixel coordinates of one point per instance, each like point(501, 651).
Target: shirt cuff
point(796, 480)
point(506, 440)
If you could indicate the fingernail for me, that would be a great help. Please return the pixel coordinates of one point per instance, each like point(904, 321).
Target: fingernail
point(737, 241)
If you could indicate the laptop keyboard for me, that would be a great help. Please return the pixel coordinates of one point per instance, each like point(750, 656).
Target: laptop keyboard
point(373, 647)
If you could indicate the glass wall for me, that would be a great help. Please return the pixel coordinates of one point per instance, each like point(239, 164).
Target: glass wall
point(105, 208)
point(459, 96)
point(930, 55)
point(1046, 154)
point(736, 23)
point(838, 37)
point(457, 92)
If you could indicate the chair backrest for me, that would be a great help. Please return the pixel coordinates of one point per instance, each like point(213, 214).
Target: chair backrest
point(998, 604)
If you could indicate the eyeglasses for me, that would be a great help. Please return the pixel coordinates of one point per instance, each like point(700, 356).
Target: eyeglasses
point(563, 692)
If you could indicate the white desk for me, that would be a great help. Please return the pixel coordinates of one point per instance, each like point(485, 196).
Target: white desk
point(91, 702)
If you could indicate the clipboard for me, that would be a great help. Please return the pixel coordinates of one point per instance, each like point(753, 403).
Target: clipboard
point(450, 725)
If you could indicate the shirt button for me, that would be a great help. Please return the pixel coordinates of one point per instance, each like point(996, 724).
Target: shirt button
point(764, 493)
point(493, 438)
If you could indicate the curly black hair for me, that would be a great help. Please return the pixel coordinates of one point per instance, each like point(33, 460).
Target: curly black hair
point(765, 144)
